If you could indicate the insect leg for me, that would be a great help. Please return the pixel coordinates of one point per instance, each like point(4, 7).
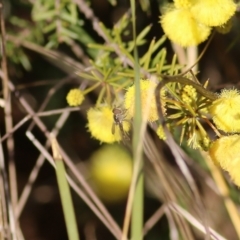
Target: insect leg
point(113, 128)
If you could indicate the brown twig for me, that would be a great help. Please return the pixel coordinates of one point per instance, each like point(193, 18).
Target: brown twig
point(153, 219)
point(8, 126)
point(40, 114)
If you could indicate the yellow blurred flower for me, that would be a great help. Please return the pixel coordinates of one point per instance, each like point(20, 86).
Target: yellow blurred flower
point(75, 97)
point(148, 101)
point(213, 12)
point(182, 28)
point(226, 112)
point(111, 172)
point(225, 152)
point(100, 121)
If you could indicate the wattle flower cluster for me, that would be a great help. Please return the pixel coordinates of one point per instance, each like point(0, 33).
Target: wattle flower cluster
point(189, 22)
point(148, 100)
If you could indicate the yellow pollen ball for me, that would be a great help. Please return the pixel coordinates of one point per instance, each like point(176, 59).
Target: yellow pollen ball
point(225, 152)
point(100, 121)
point(213, 12)
point(225, 111)
point(148, 101)
point(75, 97)
point(182, 28)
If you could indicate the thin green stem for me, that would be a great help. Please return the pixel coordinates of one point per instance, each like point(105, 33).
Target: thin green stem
point(91, 88)
point(137, 211)
point(135, 197)
point(66, 199)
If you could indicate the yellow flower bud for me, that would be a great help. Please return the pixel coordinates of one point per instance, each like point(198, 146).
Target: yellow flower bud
point(148, 101)
point(111, 172)
point(75, 97)
point(100, 121)
point(160, 132)
point(225, 152)
point(225, 111)
point(182, 28)
point(213, 12)
point(189, 94)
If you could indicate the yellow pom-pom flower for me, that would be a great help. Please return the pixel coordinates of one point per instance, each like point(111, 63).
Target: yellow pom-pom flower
point(111, 172)
point(100, 121)
point(181, 27)
point(148, 101)
point(225, 152)
point(226, 112)
point(75, 97)
point(213, 12)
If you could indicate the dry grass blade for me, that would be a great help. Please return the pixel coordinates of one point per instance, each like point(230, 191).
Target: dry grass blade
point(167, 192)
point(153, 219)
point(214, 235)
point(40, 114)
point(8, 125)
point(5, 203)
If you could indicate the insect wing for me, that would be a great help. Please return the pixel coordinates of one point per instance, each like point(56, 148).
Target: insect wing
point(123, 133)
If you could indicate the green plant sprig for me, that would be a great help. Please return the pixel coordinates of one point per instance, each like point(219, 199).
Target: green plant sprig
point(187, 110)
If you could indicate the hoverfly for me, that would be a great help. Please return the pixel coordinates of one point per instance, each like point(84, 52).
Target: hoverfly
point(119, 116)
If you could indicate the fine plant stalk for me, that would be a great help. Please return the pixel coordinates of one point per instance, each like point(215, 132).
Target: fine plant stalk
point(14, 225)
point(65, 194)
point(134, 206)
point(137, 213)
